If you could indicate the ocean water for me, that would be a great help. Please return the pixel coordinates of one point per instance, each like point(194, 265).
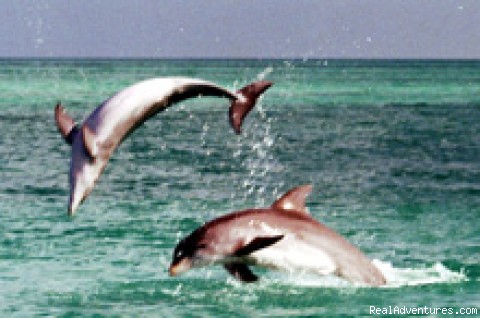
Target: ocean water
point(391, 147)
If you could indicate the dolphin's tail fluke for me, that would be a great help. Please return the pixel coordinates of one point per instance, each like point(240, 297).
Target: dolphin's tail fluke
point(241, 106)
point(65, 124)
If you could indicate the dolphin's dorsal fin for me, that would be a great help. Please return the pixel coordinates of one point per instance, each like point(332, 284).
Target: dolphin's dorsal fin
point(294, 200)
point(65, 124)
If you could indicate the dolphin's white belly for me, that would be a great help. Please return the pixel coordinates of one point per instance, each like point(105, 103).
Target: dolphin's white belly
point(294, 255)
point(129, 105)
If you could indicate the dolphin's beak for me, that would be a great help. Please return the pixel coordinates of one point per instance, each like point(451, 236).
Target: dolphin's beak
point(72, 206)
point(77, 195)
point(81, 184)
point(180, 267)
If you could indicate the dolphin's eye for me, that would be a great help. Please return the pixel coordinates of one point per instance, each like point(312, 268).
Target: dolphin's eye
point(179, 254)
point(200, 246)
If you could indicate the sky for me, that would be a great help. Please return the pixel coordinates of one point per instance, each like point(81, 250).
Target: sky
point(438, 29)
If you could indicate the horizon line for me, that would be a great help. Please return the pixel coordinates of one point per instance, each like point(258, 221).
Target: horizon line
point(241, 58)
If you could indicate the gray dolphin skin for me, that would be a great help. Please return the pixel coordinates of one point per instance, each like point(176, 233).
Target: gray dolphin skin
point(283, 236)
point(109, 124)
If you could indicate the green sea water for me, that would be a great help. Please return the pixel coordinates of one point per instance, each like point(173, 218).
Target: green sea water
point(391, 147)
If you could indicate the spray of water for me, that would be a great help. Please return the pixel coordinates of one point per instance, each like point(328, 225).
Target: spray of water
point(396, 278)
point(255, 152)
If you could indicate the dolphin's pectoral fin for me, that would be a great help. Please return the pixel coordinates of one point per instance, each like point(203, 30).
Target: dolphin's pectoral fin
point(94, 148)
point(241, 272)
point(65, 124)
point(257, 244)
point(89, 141)
point(294, 200)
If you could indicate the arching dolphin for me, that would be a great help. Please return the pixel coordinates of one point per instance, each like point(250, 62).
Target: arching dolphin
point(105, 128)
point(283, 236)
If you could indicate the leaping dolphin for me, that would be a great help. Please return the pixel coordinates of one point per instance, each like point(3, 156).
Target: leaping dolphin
point(109, 124)
point(283, 236)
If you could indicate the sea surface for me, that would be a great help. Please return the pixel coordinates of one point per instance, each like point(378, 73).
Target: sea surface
point(391, 147)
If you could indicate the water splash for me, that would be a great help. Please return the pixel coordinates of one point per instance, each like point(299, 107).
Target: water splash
point(35, 21)
point(437, 273)
point(255, 152)
point(267, 71)
point(396, 277)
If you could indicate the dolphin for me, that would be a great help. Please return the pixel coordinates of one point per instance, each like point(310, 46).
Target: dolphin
point(283, 236)
point(94, 141)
